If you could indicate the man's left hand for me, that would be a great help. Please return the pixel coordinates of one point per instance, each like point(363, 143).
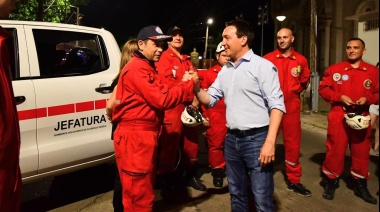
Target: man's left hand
point(267, 153)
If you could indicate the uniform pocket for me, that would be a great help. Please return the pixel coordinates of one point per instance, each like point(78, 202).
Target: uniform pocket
point(141, 151)
point(117, 145)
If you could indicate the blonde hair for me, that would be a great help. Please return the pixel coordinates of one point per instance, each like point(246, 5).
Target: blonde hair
point(126, 53)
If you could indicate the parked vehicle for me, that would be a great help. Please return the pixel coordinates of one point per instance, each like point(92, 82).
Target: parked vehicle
point(60, 77)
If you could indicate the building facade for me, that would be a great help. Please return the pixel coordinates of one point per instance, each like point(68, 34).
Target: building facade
point(328, 25)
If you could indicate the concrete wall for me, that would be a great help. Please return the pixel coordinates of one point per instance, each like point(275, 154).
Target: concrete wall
point(371, 39)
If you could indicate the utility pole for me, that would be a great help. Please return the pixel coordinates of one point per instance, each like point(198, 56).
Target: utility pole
point(313, 57)
point(211, 38)
point(209, 22)
point(78, 21)
point(263, 19)
point(205, 52)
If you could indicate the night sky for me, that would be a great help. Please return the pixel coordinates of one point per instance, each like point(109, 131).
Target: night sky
point(125, 18)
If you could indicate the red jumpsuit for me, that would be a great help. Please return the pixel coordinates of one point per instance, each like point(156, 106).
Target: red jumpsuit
point(171, 68)
point(294, 76)
point(10, 175)
point(216, 132)
point(140, 102)
point(342, 79)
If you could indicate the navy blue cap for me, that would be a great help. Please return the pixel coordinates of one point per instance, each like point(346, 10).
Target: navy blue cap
point(153, 33)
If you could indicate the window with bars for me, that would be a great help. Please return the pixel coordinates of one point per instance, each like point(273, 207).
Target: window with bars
point(371, 25)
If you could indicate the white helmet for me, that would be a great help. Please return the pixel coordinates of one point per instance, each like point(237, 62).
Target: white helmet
point(357, 122)
point(191, 117)
point(220, 48)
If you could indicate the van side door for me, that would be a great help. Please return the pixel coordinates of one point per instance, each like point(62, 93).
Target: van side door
point(67, 67)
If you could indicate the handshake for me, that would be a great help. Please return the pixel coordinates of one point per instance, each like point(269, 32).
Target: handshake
point(191, 75)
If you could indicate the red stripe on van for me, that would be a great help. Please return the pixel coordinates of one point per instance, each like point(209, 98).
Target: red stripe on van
point(100, 104)
point(41, 112)
point(84, 106)
point(60, 110)
point(32, 114)
point(27, 114)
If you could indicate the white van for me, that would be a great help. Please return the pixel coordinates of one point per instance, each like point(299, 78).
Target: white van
point(60, 77)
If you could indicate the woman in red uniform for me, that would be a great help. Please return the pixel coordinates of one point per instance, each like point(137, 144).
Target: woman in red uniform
point(10, 175)
point(349, 86)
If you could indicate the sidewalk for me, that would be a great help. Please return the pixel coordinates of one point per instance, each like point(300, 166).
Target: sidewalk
point(314, 119)
point(218, 199)
point(319, 118)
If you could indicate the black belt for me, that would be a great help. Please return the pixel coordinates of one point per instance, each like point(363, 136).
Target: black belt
point(244, 133)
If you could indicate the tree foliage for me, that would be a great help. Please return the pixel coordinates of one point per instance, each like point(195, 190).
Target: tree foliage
point(58, 11)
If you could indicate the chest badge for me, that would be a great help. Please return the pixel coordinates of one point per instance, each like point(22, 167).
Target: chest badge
point(345, 77)
point(336, 77)
point(295, 72)
point(174, 73)
point(367, 84)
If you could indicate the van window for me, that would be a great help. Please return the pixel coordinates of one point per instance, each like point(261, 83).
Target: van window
point(66, 53)
point(12, 45)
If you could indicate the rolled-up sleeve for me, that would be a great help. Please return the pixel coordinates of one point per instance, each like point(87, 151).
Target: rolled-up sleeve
point(270, 86)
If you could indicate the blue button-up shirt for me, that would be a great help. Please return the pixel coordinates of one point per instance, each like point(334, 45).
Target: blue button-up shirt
point(250, 90)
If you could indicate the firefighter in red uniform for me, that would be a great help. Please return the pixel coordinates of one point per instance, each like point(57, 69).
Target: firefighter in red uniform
point(294, 75)
point(171, 67)
point(10, 175)
point(140, 102)
point(215, 120)
point(350, 87)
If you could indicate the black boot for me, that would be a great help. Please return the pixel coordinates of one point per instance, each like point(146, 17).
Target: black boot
point(330, 186)
point(218, 175)
point(193, 180)
point(361, 191)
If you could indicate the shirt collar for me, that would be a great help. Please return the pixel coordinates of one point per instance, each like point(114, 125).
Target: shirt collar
point(363, 66)
point(172, 53)
point(246, 58)
point(292, 55)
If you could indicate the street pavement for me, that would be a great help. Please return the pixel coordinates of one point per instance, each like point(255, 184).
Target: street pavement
point(218, 199)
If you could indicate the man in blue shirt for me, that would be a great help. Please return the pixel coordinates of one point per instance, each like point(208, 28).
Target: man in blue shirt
point(255, 106)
